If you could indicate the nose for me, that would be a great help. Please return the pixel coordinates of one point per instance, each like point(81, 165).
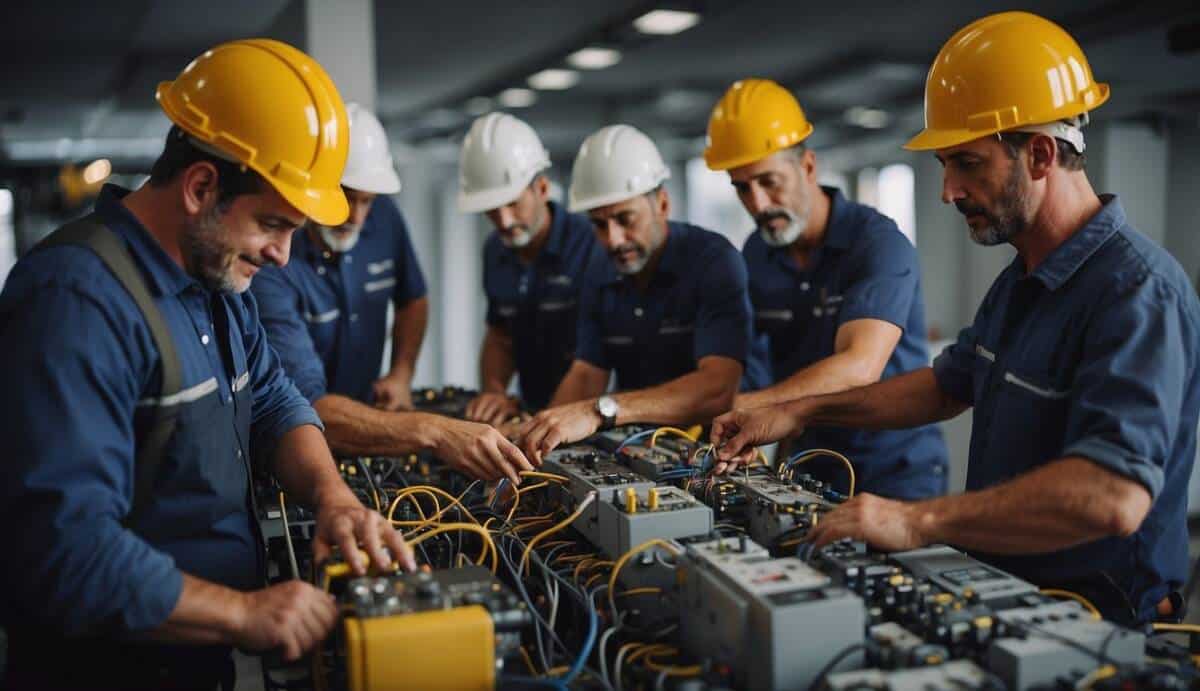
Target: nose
point(951, 191)
point(279, 251)
point(613, 235)
point(505, 217)
point(757, 199)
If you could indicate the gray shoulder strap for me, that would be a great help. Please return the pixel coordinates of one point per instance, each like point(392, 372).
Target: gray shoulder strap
point(90, 232)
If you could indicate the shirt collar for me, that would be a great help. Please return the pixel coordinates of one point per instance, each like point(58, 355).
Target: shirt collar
point(166, 277)
point(840, 229)
point(1065, 260)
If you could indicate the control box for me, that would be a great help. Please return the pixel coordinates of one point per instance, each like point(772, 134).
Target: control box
point(589, 469)
point(778, 514)
point(1058, 641)
point(960, 574)
point(951, 676)
point(774, 622)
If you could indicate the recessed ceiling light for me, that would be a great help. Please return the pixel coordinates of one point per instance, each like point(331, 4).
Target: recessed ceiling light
point(867, 118)
point(665, 22)
point(517, 98)
point(553, 79)
point(594, 58)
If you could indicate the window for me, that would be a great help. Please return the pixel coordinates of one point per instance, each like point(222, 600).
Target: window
point(896, 192)
point(8, 236)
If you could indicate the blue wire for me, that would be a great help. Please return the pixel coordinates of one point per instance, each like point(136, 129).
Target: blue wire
point(496, 496)
point(533, 681)
point(632, 438)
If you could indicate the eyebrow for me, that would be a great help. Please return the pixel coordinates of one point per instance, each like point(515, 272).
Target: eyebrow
point(278, 220)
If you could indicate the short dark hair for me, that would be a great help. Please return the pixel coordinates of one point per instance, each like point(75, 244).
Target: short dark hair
point(1068, 157)
point(179, 152)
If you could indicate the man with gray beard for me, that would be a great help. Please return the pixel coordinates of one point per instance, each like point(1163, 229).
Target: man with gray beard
point(1082, 365)
point(835, 288)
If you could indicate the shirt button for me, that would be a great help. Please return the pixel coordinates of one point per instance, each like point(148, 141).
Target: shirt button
point(239, 453)
point(817, 311)
point(204, 339)
point(349, 259)
point(637, 311)
point(320, 271)
point(804, 285)
point(354, 317)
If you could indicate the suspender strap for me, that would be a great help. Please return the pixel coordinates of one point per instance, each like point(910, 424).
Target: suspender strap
point(90, 232)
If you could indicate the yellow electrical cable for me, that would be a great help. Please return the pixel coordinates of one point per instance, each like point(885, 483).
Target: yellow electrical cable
point(612, 579)
point(639, 591)
point(408, 493)
point(433, 492)
point(1067, 594)
point(671, 670)
point(670, 430)
point(1184, 628)
point(591, 497)
point(545, 476)
point(814, 453)
point(1098, 674)
point(489, 546)
point(528, 661)
point(517, 498)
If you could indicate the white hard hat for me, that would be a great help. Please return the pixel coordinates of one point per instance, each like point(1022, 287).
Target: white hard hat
point(369, 166)
point(500, 157)
point(615, 163)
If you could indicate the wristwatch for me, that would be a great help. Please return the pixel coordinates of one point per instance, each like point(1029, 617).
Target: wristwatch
point(607, 407)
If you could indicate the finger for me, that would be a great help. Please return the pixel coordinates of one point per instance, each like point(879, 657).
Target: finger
point(307, 626)
point(720, 427)
point(291, 646)
point(400, 549)
point(719, 468)
point(472, 407)
point(551, 441)
point(514, 455)
point(342, 532)
point(498, 417)
point(500, 461)
point(488, 408)
point(533, 440)
point(368, 535)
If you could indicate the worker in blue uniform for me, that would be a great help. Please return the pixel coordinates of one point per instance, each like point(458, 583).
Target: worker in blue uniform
point(532, 267)
point(326, 315)
point(140, 397)
point(665, 308)
point(1082, 362)
point(835, 287)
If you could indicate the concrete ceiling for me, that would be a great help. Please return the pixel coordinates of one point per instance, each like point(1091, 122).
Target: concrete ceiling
point(80, 74)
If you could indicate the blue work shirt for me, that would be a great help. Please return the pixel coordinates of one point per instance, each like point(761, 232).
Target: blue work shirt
point(864, 269)
point(1094, 354)
point(694, 306)
point(81, 374)
point(538, 304)
point(326, 313)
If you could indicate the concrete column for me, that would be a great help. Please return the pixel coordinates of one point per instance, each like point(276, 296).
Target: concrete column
point(341, 36)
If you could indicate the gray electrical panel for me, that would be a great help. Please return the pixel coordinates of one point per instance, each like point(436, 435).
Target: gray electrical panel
point(959, 574)
point(958, 675)
point(775, 622)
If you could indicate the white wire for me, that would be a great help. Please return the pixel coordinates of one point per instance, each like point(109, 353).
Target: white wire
point(603, 648)
point(617, 669)
point(553, 602)
point(287, 537)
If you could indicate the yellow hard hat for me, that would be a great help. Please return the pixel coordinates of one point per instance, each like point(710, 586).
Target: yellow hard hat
point(1004, 72)
point(272, 108)
point(754, 119)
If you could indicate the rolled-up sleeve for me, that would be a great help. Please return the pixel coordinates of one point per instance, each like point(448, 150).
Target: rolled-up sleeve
point(68, 363)
point(278, 405)
point(589, 332)
point(278, 306)
point(952, 369)
point(1129, 387)
point(882, 281)
point(723, 321)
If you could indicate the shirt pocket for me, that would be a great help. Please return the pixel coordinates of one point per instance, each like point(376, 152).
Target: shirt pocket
point(1031, 413)
point(379, 286)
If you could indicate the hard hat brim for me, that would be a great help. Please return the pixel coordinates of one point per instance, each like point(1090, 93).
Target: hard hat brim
point(729, 162)
point(931, 139)
point(577, 206)
point(375, 181)
point(492, 198)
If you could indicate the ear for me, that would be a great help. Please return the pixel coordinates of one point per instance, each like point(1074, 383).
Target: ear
point(541, 185)
point(809, 165)
point(1043, 155)
point(198, 184)
point(662, 202)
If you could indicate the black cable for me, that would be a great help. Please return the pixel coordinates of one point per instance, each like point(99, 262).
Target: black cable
point(837, 660)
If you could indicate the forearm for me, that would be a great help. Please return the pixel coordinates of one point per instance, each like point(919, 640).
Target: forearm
point(909, 400)
point(838, 372)
point(408, 333)
point(496, 361)
point(694, 398)
point(356, 429)
point(206, 614)
point(581, 382)
point(1064, 503)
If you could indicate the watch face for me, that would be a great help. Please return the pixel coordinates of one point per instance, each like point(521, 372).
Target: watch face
point(606, 406)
